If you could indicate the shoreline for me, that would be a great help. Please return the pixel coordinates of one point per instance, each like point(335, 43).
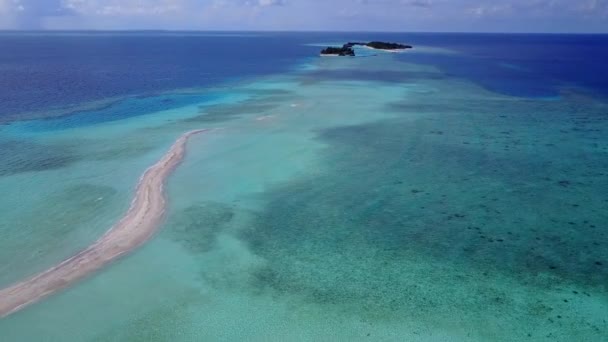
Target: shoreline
point(138, 224)
point(386, 50)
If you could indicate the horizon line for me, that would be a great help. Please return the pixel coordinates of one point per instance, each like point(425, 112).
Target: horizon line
point(289, 31)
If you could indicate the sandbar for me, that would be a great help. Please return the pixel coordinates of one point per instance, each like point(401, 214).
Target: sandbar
point(139, 223)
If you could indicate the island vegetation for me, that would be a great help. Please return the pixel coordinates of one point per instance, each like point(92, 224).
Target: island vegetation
point(338, 51)
point(347, 49)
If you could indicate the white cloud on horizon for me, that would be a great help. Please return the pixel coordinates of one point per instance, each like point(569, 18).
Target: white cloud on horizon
point(400, 15)
point(123, 8)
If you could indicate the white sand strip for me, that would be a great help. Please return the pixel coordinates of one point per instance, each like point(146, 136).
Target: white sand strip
point(139, 223)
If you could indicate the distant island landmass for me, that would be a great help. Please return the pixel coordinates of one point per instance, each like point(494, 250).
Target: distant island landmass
point(347, 49)
point(338, 51)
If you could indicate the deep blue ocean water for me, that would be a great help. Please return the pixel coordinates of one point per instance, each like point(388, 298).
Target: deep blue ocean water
point(56, 70)
point(522, 65)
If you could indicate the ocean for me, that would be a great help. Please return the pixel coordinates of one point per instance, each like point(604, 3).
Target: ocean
point(457, 191)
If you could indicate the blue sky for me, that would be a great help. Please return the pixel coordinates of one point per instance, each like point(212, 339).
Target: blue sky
point(343, 15)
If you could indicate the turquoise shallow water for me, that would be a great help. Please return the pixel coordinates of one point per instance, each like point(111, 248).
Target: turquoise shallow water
point(351, 199)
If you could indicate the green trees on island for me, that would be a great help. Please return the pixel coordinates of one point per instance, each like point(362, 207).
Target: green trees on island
point(347, 49)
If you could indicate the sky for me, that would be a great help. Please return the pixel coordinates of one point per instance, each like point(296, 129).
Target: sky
point(309, 15)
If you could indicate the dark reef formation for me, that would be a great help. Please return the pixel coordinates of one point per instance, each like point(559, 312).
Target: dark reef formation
point(347, 49)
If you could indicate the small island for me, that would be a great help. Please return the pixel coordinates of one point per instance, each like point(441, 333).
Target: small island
point(347, 49)
point(337, 51)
